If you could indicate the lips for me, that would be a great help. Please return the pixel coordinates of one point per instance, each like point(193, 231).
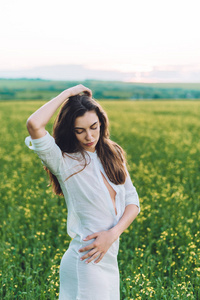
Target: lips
point(90, 144)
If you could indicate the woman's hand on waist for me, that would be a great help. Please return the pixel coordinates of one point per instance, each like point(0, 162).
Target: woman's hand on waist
point(98, 248)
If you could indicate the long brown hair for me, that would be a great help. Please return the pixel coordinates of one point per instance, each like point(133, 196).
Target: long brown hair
point(112, 156)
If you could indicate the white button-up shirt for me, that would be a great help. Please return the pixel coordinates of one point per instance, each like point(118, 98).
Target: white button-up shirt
point(89, 204)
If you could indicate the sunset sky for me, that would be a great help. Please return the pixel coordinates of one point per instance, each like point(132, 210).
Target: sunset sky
point(127, 36)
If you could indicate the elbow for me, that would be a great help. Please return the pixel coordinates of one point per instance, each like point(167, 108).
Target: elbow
point(32, 125)
point(136, 209)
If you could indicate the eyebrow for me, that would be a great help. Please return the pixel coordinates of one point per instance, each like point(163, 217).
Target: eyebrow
point(84, 128)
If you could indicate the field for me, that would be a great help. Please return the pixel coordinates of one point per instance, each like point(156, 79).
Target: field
point(159, 253)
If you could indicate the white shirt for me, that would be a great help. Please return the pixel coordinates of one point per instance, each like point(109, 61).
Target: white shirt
point(90, 207)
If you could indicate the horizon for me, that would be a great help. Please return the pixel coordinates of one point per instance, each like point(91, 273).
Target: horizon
point(75, 72)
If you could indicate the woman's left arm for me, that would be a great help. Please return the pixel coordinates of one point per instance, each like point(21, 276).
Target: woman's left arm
point(104, 239)
point(130, 213)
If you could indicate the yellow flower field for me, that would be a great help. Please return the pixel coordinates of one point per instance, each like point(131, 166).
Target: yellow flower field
point(159, 253)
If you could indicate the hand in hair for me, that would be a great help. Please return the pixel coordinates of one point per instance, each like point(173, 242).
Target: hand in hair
point(37, 121)
point(78, 89)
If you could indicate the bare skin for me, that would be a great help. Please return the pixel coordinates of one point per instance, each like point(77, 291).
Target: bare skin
point(88, 134)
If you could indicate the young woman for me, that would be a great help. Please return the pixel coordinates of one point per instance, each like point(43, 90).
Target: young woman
point(89, 170)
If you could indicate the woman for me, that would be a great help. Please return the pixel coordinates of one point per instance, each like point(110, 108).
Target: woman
point(90, 171)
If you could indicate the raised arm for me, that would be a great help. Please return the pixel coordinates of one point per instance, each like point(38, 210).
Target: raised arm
point(38, 120)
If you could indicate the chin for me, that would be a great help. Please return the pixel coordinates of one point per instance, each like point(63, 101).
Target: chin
point(90, 148)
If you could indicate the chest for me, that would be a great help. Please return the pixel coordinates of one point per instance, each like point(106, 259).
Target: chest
point(93, 183)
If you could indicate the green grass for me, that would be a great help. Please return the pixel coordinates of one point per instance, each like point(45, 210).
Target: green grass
point(159, 253)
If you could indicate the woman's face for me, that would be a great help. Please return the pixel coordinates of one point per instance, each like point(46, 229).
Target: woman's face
point(87, 130)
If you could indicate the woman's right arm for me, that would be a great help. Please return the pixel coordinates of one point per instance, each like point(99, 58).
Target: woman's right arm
point(37, 121)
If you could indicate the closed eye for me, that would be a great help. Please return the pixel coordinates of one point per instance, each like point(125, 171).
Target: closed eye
point(79, 132)
point(94, 126)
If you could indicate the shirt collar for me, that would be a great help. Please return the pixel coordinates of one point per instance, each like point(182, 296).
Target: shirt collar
point(92, 154)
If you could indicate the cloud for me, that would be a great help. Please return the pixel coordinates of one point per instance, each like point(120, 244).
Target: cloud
point(168, 73)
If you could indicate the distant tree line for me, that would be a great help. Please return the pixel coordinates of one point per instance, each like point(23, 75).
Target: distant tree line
point(37, 89)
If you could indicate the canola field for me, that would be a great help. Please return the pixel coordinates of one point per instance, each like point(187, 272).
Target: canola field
point(159, 253)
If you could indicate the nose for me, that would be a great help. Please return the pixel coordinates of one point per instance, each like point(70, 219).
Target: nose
point(88, 136)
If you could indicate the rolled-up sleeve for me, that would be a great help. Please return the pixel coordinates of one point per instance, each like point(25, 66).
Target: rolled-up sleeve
point(131, 195)
point(47, 150)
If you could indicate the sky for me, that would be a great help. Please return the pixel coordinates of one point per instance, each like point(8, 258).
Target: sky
point(127, 36)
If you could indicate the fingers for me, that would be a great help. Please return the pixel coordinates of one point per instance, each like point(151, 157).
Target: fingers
point(94, 253)
point(93, 257)
point(91, 236)
point(99, 258)
point(88, 93)
point(89, 254)
point(85, 90)
point(86, 248)
point(97, 249)
point(78, 89)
